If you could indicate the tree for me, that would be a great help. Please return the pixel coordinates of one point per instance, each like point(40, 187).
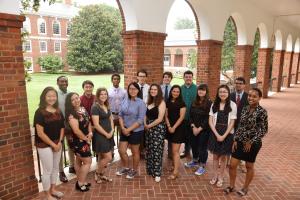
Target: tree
point(255, 54)
point(228, 49)
point(192, 59)
point(95, 43)
point(27, 65)
point(35, 4)
point(184, 23)
point(51, 63)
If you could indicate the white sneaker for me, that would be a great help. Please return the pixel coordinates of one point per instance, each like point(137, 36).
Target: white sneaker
point(157, 179)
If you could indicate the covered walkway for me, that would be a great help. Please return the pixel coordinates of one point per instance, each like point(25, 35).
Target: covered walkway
point(277, 168)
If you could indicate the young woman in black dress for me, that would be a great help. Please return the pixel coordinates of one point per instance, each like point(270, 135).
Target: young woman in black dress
point(78, 119)
point(248, 139)
point(174, 117)
point(155, 131)
point(103, 140)
point(221, 121)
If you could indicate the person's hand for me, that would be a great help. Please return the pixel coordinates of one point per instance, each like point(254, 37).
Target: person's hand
point(57, 147)
point(220, 138)
point(234, 146)
point(171, 129)
point(109, 135)
point(90, 136)
point(125, 132)
point(195, 131)
point(247, 147)
point(146, 127)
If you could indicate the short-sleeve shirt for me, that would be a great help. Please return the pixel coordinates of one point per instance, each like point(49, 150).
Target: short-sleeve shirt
point(174, 110)
point(104, 118)
point(52, 124)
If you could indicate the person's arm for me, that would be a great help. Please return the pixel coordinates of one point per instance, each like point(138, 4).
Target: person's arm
point(167, 119)
point(229, 128)
point(74, 124)
point(261, 126)
point(212, 126)
point(161, 114)
point(180, 119)
point(112, 124)
point(43, 136)
point(140, 120)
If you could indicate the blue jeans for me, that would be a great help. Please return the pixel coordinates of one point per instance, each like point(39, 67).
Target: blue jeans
point(199, 146)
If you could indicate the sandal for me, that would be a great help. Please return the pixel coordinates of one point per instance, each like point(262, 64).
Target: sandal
point(173, 176)
point(220, 183)
point(228, 190)
point(57, 194)
point(105, 178)
point(242, 192)
point(213, 181)
point(97, 178)
point(81, 188)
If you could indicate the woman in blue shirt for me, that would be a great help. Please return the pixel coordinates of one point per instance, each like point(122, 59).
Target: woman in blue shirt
point(131, 119)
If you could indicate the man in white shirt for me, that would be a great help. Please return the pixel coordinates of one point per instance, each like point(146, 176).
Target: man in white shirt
point(141, 79)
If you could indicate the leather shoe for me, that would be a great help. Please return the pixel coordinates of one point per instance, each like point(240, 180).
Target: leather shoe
point(62, 177)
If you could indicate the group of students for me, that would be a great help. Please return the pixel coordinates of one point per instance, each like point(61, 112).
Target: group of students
point(232, 125)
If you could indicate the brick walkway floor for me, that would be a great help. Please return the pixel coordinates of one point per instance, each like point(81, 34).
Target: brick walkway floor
point(277, 168)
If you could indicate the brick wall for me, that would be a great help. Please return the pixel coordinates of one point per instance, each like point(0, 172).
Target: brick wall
point(209, 64)
point(243, 55)
point(143, 50)
point(278, 58)
point(263, 70)
point(17, 179)
point(287, 66)
point(295, 68)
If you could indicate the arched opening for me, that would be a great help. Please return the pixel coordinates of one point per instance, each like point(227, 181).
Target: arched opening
point(288, 57)
point(167, 57)
point(254, 59)
point(183, 30)
point(230, 39)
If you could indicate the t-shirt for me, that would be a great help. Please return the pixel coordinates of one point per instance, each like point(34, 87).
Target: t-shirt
point(52, 124)
point(174, 110)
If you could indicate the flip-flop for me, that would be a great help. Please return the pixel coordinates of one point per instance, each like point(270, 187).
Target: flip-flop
point(228, 190)
point(242, 192)
point(58, 194)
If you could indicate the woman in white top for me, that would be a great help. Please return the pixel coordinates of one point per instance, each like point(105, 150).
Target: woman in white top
point(221, 121)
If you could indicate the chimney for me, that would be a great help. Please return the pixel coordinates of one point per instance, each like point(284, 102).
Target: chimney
point(68, 2)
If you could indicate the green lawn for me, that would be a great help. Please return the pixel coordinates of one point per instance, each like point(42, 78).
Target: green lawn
point(41, 80)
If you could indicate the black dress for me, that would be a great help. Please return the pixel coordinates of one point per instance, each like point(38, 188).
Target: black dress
point(224, 147)
point(100, 143)
point(173, 115)
point(154, 143)
point(81, 147)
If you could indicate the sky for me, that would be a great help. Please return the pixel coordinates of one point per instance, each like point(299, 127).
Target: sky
point(180, 9)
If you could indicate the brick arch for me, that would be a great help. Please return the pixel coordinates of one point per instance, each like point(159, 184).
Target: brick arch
point(240, 28)
point(122, 15)
point(196, 19)
point(297, 46)
point(263, 33)
point(278, 40)
point(289, 43)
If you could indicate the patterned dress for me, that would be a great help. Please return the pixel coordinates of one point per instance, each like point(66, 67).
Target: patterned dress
point(154, 144)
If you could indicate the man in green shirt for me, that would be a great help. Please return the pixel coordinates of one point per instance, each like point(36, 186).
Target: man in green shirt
point(189, 92)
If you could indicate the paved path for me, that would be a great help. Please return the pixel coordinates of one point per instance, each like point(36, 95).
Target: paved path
point(277, 167)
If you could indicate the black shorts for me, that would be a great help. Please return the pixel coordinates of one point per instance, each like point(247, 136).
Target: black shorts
point(133, 138)
point(247, 156)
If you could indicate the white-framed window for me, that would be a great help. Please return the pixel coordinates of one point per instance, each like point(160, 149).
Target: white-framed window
point(57, 46)
point(56, 27)
point(43, 46)
point(27, 46)
point(69, 28)
point(26, 25)
point(167, 60)
point(42, 26)
point(29, 59)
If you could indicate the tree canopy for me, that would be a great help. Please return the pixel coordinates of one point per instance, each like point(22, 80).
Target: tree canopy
point(95, 41)
point(184, 23)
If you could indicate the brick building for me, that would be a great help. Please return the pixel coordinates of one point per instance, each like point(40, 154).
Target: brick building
point(48, 30)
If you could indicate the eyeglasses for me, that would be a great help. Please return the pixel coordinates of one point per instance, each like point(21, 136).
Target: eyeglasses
point(142, 76)
point(237, 83)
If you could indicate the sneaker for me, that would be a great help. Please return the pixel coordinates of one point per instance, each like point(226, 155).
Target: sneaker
point(200, 171)
point(157, 179)
point(122, 171)
point(191, 164)
point(131, 174)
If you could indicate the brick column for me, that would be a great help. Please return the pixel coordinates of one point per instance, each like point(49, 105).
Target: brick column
point(278, 58)
point(295, 68)
point(243, 55)
point(263, 70)
point(287, 68)
point(143, 50)
point(209, 64)
point(17, 178)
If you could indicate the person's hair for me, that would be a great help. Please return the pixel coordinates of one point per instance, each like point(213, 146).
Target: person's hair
point(158, 98)
point(258, 91)
point(43, 103)
point(136, 85)
point(216, 105)
point(87, 82)
point(241, 79)
point(202, 102)
point(188, 72)
point(142, 71)
point(62, 76)
point(69, 108)
point(179, 99)
point(97, 101)
point(169, 74)
point(117, 75)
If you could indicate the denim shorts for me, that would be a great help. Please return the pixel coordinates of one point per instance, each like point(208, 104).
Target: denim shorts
point(133, 138)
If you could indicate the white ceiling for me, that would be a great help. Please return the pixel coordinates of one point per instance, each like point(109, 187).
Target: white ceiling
point(281, 8)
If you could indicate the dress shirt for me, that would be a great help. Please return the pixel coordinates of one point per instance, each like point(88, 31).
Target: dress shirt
point(163, 88)
point(145, 91)
point(116, 96)
point(61, 100)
